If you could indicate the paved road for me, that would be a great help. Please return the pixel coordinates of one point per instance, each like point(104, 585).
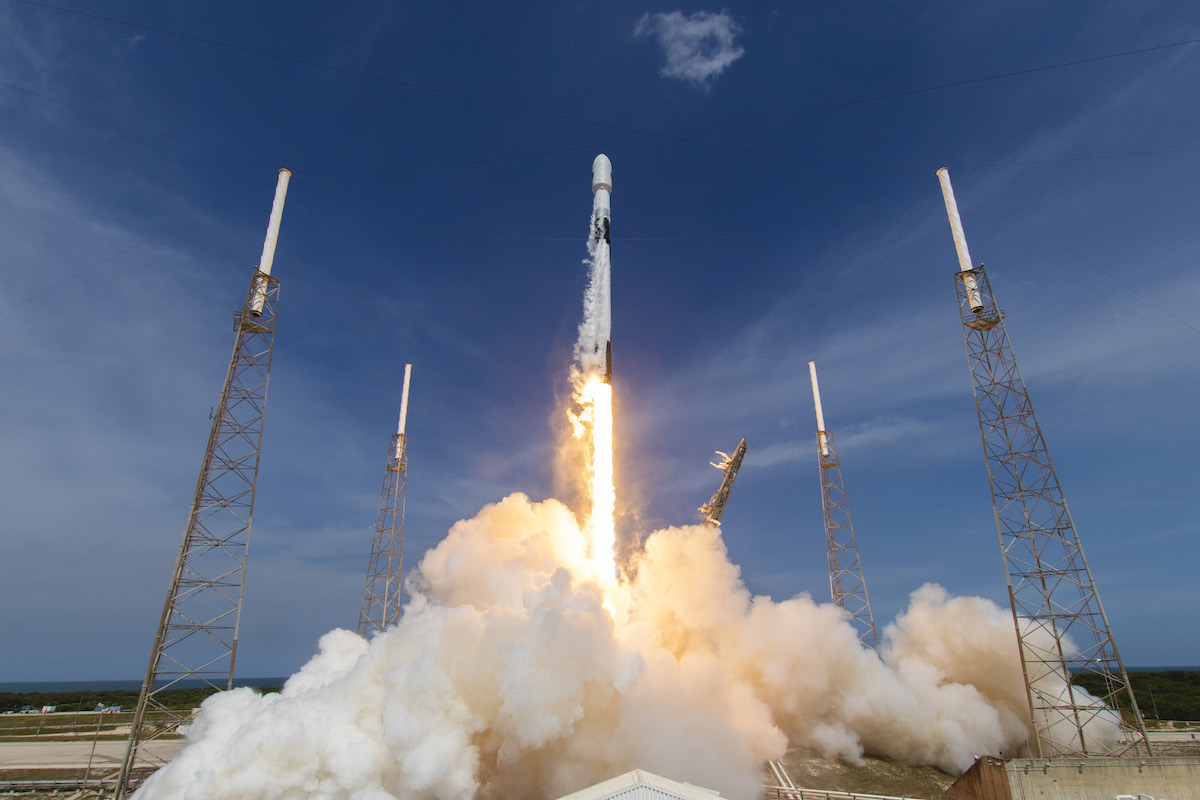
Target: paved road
point(67, 755)
point(1155, 735)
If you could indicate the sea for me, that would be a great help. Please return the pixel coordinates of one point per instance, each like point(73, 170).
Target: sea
point(25, 687)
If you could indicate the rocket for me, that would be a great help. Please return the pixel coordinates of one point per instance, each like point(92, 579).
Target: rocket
point(601, 189)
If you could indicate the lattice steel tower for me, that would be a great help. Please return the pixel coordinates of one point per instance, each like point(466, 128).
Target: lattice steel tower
point(381, 597)
point(197, 634)
point(729, 465)
point(847, 586)
point(1061, 626)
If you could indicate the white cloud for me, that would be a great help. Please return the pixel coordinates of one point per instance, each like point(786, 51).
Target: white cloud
point(697, 47)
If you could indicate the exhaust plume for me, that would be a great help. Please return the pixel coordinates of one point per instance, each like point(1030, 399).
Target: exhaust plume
point(591, 412)
point(507, 677)
point(521, 667)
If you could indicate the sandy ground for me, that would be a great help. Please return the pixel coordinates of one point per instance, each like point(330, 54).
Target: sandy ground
point(60, 755)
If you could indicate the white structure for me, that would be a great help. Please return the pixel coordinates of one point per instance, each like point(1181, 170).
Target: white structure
point(268, 252)
point(642, 785)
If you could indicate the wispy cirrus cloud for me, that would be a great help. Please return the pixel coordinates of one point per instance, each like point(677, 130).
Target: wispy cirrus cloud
point(698, 47)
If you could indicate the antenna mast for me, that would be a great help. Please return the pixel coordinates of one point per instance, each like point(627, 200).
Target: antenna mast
point(847, 586)
point(715, 507)
point(197, 634)
point(1061, 627)
point(381, 596)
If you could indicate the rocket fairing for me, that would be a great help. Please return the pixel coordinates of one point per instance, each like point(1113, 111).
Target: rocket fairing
point(601, 212)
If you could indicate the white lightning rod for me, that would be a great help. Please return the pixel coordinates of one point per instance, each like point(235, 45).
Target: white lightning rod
point(960, 240)
point(821, 433)
point(268, 252)
point(400, 439)
point(404, 399)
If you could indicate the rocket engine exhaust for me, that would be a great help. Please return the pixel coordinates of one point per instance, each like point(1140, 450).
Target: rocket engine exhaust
point(527, 665)
point(591, 413)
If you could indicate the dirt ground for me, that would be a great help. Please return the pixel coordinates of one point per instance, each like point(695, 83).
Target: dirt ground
point(873, 776)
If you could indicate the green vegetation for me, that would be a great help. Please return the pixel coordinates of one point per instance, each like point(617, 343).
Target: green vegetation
point(1173, 695)
point(86, 701)
point(74, 715)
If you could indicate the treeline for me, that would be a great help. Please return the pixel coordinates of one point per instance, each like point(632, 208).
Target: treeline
point(87, 701)
point(1171, 695)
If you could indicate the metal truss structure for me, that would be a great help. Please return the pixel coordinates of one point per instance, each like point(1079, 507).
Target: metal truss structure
point(1062, 630)
point(715, 507)
point(381, 597)
point(195, 645)
point(847, 586)
point(197, 635)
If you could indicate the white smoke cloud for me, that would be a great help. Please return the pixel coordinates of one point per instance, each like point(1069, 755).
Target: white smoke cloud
point(595, 330)
point(697, 47)
point(509, 676)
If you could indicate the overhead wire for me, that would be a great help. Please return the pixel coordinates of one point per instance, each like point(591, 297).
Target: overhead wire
point(330, 67)
point(1098, 268)
point(41, 577)
point(133, 156)
point(949, 85)
point(125, 123)
point(641, 135)
point(677, 135)
point(122, 251)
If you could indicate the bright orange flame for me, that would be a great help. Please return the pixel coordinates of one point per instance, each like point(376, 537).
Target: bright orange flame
point(596, 419)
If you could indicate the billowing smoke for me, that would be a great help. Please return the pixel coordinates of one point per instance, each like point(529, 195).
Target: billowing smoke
point(522, 668)
point(509, 677)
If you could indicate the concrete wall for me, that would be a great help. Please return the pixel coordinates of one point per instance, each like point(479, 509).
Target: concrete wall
point(1103, 778)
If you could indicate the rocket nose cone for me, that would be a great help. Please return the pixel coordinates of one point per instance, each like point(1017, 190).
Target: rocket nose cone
point(601, 173)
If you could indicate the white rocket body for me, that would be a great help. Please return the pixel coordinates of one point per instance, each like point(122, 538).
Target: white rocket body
point(601, 218)
point(602, 189)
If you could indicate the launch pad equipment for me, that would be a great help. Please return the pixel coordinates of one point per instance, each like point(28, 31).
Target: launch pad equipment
point(847, 586)
point(197, 633)
point(381, 596)
point(1062, 629)
point(715, 507)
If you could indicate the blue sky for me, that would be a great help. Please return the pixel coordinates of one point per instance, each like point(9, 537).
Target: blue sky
point(438, 213)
